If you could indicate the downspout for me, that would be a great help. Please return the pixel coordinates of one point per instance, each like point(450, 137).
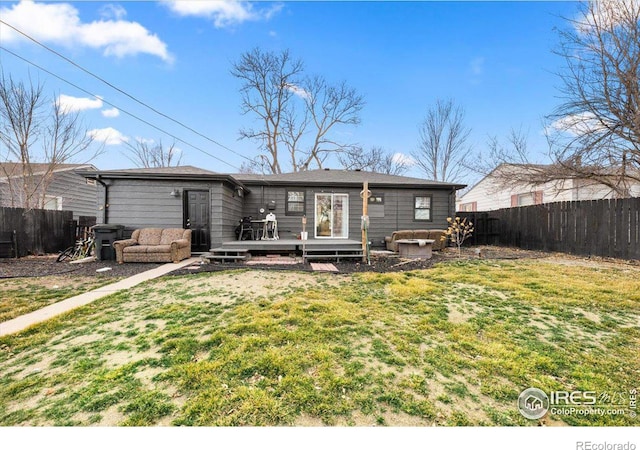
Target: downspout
point(106, 198)
point(452, 202)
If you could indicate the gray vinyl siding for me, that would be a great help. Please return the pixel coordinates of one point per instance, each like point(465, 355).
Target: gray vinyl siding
point(142, 203)
point(397, 213)
point(77, 195)
point(260, 197)
point(226, 211)
point(147, 203)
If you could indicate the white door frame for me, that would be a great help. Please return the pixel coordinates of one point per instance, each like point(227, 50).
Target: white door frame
point(345, 215)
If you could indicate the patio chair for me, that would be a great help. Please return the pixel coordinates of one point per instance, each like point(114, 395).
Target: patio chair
point(270, 227)
point(246, 229)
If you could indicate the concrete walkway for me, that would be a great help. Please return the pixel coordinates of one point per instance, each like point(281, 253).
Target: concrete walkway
point(23, 322)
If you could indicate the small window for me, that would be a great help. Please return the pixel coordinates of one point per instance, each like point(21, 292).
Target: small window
point(468, 207)
point(295, 203)
point(376, 199)
point(422, 208)
point(526, 199)
point(53, 203)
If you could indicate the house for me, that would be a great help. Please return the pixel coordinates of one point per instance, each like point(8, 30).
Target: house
point(57, 189)
point(212, 204)
point(497, 190)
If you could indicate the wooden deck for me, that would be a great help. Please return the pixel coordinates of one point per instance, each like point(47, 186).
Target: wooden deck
point(293, 245)
point(316, 249)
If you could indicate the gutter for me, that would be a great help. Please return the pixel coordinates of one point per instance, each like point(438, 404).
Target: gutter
point(106, 198)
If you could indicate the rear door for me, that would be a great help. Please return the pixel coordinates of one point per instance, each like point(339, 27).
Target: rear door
point(197, 209)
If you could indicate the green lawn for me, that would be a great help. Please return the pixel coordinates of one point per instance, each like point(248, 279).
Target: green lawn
point(20, 296)
point(453, 345)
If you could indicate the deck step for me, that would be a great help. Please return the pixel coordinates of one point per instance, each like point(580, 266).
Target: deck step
point(332, 253)
point(226, 254)
point(332, 256)
point(228, 250)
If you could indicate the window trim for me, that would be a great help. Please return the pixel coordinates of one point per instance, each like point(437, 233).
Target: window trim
point(430, 209)
point(53, 198)
point(287, 211)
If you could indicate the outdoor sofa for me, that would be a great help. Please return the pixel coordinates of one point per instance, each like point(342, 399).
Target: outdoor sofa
point(154, 245)
point(436, 235)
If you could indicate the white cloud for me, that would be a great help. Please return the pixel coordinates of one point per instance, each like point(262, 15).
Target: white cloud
point(577, 124)
point(147, 141)
point(477, 65)
point(224, 13)
point(108, 136)
point(606, 14)
point(299, 91)
point(70, 104)
point(60, 23)
point(401, 158)
point(112, 11)
point(111, 113)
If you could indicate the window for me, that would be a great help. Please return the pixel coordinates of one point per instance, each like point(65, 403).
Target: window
point(376, 199)
point(53, 202)
point(422, 208)
point(295, 203)
point(467, 207)
point(525, 199)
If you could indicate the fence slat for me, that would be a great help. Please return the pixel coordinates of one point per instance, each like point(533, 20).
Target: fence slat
point(608, 227)
point(38, 231)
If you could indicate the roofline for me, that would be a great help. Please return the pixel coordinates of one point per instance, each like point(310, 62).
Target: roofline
point(75, 169)
point(266, 182)
point(258, 182)
point(105, 174)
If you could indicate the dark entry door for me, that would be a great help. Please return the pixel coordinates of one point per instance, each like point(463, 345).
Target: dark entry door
point(197, 218)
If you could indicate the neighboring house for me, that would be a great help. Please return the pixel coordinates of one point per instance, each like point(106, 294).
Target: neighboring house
point(65, 190)
point(490, 193)
point(212, 204)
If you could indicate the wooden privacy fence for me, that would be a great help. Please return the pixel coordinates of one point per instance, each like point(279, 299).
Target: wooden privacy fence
point(38, 231)
point(609, 228)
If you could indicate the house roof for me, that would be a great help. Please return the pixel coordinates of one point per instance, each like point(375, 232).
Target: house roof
point(14, 169)
point(323, 177)
point(162, 173)
point(511, 171)
point(175, 170)
point(320, 177)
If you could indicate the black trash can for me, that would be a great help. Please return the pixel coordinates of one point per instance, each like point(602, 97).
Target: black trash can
point(105, 235)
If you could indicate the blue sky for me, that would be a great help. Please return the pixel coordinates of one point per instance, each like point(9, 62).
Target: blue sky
point(493, 58)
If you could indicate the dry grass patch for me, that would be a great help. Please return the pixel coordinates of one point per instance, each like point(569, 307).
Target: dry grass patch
point(453, 345)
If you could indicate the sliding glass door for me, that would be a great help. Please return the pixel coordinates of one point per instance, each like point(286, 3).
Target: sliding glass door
point(332, 216)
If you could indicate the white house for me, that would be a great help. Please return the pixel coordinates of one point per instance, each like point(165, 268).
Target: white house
point(493, 192)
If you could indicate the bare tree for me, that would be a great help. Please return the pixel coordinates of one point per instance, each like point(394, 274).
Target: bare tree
point(443, 142)
point(374, 160)
point(35, 130)
point(594, 134)
point(296, 113)
point(510, 150)
point(150, 154)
